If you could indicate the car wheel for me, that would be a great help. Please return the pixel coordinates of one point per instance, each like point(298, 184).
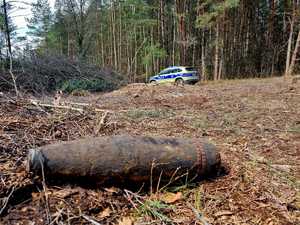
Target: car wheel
point(179, 81)
point(153, 82)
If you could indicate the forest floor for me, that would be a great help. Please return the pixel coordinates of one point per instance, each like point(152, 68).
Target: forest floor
point(254, 123)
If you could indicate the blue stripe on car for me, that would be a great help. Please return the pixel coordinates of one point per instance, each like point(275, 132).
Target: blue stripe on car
point(170, 76)
point(188, 75)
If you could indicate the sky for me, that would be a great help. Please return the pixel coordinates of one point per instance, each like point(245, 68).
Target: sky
point(23, 12)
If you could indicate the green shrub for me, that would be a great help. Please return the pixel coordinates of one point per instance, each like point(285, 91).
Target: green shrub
point(155, 209)
point(93, 85)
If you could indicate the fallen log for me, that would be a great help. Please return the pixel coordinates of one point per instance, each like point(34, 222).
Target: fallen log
point(33, 102)
point(125, 158)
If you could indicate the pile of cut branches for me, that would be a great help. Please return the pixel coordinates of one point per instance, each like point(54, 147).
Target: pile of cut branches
point(47, 73)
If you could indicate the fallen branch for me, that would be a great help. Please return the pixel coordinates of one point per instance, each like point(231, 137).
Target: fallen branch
point(13, 77)
point(198, 215)
point(45, 192)
point(6, 201)
point(90, 220)
point(33, 102)
point(102, 123)
point(78, 103)
point(7, 98)
point(85, 105)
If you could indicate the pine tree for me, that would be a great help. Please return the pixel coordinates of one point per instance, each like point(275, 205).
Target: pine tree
point(2, 33)
point(152, 53)
point(214, 12)
point(7, 26)
point(40, 22)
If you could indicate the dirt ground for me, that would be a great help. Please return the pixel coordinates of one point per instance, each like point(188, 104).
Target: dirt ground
point(254, 123)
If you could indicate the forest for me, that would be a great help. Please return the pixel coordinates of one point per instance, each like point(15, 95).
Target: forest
point(225, 39)
point(87, 137)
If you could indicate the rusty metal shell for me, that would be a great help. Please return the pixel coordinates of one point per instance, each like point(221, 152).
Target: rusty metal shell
point(125, 158)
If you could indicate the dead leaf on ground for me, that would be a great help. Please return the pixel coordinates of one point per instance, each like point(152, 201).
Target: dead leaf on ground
point(27, 209)
point(64, 193)
point(112, 190)
point(38, 195)
point(126, 221)
point(171, 197)
point(35, 195)
point(223, 213)
point(105, 213)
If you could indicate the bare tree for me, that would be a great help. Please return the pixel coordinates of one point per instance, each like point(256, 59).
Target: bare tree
point(290, 62)
point(8, 40)
point(7, 29)
point(294, 57)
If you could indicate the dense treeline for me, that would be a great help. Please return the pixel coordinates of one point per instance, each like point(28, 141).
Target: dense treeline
point(223, 38)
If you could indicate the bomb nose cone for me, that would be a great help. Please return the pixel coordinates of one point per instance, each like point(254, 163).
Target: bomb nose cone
point(35, 160)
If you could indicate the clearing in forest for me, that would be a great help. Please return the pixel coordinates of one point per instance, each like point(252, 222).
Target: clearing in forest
point(254, 123)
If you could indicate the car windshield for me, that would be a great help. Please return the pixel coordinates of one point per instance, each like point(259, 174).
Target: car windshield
point(190, 69)
point(164, 72)
point(167, 71)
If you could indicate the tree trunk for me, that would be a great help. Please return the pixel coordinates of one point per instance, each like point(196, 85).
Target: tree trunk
point(294, 57)
point(162, 25)
point(127, 52)
point(180, 9)
point(102, 46)
point(216, 54)
point(203, 67)
point(220, 69)
point(114, 36)
point(120, 37)
point(7, 31)
point(289, 49)
point(174, 37)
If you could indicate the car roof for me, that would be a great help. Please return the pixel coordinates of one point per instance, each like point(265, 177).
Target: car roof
point(175, 67)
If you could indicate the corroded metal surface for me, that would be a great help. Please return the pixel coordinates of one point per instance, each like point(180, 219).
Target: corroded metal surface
point(126, 158)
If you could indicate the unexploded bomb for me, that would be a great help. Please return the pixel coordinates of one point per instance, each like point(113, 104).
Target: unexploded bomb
point(126, 158)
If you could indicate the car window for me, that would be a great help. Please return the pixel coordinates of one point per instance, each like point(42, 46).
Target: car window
point(164, 72)
point(170, 71)
point(177, 71)
point(190, 69)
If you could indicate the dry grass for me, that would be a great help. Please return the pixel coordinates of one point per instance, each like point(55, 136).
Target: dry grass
point(255, 124)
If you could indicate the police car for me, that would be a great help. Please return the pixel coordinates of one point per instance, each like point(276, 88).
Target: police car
point(177, 75)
